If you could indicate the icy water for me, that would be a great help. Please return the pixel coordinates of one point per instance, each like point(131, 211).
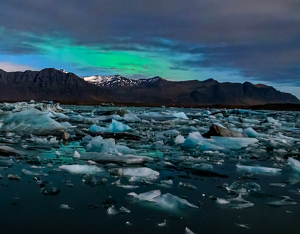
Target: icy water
point(159, 174)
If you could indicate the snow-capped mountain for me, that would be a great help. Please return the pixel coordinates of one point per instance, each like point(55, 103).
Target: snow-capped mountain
point(119, 81)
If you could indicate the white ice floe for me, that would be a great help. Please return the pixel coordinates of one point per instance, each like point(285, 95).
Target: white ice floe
point(32, 173)
point(82, 169)
point(76, 154)
point(179, 140)
point(164, 201)
point(112, 158)
point(188, 231)
point(217, 143)
point(258, 169)
point(141, 172)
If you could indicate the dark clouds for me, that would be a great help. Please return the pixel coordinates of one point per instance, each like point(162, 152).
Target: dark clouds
point(260, 38)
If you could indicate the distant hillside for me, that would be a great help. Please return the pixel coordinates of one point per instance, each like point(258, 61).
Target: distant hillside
point(51, 84)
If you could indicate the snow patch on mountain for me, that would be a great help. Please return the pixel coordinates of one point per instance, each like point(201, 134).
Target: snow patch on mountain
point(119, 81)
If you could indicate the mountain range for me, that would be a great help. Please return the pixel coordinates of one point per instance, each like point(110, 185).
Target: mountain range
point(61, 86)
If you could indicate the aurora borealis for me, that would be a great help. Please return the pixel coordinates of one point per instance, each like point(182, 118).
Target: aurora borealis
point(234, 41)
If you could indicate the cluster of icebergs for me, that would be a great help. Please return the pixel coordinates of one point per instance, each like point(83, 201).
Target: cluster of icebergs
point(135, 147)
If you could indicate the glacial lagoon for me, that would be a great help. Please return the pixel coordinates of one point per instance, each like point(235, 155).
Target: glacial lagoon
point(93, 169)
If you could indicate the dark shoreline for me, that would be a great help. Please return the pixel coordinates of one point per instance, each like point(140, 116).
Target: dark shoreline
point(272, 106)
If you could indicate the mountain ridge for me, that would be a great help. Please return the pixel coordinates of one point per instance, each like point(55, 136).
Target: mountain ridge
point(58, 85)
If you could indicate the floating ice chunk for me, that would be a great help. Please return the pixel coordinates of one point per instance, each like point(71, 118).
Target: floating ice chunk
point(30, 121)
point(98, 144)
point(165, 201)
point(209, 144)
point(250, 132)
point(13, 177)
point(172, 133)
point(81, 169)
point(241, 225)
point(131, 118)
point(222, 201)
point(179, 140)
point(203, 166)
point(167, 182)
point(147, 196)
point(239, 203)
point(192, 140)
point(169, 201)
point(110, 158)
point(7, 150)
point(180, 115)
point(295, 164)
point(65, 207)
point(271, 120)
point(118, 184)
point(137, 172)
point(163, 224)
point(50, 190)
point(258, 169)
point(207, 112)
point(60, 115)
point(44, 140)
point(26, 172)
point(111, 210)
point(96, 128)
point(66, 125)
point(278, 185)
point(117, 126)
point(92, 162)
point(243, 189)
point(156, 116)
point(252, 121)
point(76, 154)
point(186, 185)
point(233, 143)
point(287, 201)
point(124, 210)
point(6, 162)
point(188, 231)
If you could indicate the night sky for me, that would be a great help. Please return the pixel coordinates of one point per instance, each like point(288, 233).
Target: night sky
point(228, 40)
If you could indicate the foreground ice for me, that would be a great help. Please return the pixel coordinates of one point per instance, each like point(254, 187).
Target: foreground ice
point(82, 169)
point(295, 164)
point(164, 201)
point(30, 121)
